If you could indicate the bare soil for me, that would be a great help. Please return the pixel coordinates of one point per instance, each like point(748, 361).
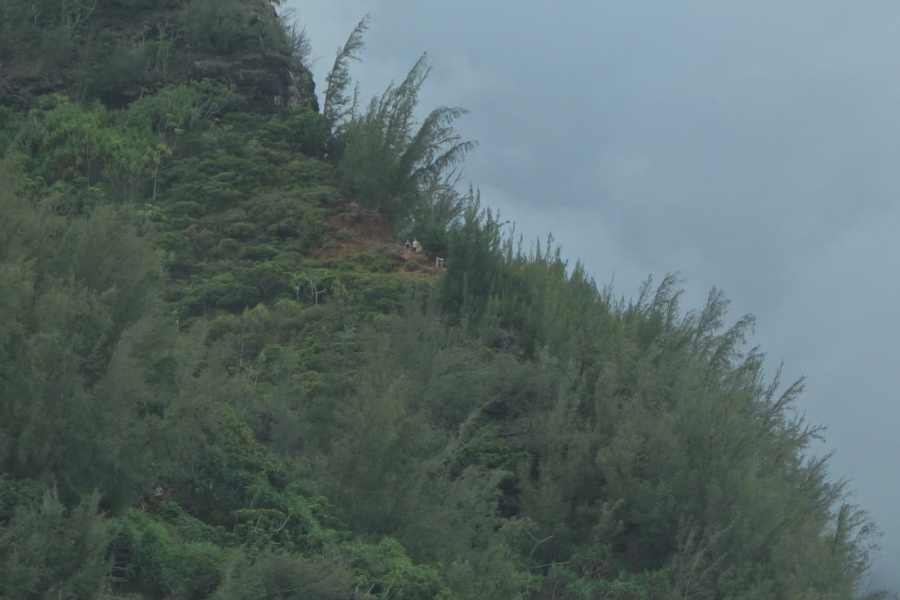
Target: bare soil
point(368, 230)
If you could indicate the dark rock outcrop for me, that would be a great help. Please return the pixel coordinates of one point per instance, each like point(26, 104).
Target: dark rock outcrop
point(20, 90)
point(269, 82)
point(117, 56)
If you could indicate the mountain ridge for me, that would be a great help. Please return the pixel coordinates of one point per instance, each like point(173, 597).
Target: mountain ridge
point(206, 291)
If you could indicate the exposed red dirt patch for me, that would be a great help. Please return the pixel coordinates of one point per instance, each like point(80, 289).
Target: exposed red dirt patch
point(358, 230)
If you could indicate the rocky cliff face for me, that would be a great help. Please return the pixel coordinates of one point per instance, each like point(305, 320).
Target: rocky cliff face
point(20, 88)
point(116, 55)
point(363, 230)
point(269, 82)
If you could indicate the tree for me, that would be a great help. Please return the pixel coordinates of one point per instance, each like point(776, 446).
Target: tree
point(339, 107)
point(389, 161)
point(47, 551)
point(81, 302)
point(393, 165)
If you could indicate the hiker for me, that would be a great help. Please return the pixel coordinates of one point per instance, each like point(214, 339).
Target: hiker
point(408, 246)
point(157, 493)
point(415, 246)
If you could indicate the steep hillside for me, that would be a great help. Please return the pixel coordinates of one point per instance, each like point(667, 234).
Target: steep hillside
point(222, 375)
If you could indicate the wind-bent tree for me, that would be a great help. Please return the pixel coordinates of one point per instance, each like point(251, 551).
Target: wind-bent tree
point(339, 107)
point(389, 161)
point(399, 167)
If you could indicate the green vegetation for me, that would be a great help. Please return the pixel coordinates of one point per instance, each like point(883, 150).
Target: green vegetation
point(193, 406)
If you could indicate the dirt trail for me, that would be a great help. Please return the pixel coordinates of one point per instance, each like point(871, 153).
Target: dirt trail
point(367, 230)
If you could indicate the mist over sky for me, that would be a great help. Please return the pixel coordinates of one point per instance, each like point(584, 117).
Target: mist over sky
point(753, 147)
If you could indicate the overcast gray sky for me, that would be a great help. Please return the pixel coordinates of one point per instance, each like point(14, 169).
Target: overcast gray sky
point(749, 146)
